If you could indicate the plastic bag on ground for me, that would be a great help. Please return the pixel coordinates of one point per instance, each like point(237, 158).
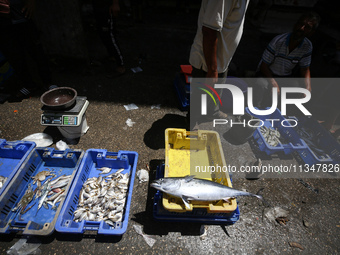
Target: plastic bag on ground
point(129, 122)
point(40, 139)
point(129, 107)
point(61, 145)
point(143, 175)
point(25, 246)
point(148, 239)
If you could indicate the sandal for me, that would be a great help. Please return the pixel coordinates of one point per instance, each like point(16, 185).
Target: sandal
point(119, 71)
point(50, 87)
point(24, 93)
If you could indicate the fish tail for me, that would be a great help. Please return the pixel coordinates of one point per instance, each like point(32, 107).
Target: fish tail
point(258, 196)
point(265, 203)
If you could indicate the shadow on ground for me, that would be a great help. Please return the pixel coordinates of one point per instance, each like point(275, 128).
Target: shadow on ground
point(154, 137)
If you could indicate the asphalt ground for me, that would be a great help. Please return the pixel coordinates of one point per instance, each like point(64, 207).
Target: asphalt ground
point(159, 45)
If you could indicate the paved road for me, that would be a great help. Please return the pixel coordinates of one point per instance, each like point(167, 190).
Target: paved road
point(163, 42)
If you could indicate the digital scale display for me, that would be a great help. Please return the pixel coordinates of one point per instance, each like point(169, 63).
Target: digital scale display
point(70, 120)
point(59, 120)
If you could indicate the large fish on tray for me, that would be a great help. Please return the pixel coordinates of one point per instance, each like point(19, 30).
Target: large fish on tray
point(190, 188)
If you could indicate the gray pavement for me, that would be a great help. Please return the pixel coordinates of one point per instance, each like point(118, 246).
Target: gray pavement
point(163, 43)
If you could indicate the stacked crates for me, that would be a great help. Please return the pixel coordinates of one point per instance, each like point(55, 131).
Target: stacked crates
point(297, 143)
point(184, 151)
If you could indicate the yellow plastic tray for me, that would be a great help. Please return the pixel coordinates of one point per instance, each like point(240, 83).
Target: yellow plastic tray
point(190, 153)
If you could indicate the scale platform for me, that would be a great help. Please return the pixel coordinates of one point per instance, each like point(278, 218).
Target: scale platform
point(71, 117)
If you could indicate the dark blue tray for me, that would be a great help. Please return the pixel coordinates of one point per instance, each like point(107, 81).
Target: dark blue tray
point(35, 222)
point(293, 141)
point(12, 156)
point(196, 215)
point(93, 159)
point(326, 142)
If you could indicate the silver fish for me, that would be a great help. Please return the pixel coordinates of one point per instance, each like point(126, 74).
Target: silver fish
point(105, 170)
point(190, 188)
point(2, 181)
point(61, 183)
point(60, 178)
point(54, 196)
point(270, 135)
point(45, 189)
point(57, 200)
point(78, 213)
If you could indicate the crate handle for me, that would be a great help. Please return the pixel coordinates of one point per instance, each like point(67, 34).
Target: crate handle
point(192, 136)
point(112, 155)
point(7, 147)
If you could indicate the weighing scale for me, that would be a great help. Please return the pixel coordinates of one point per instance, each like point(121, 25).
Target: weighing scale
point(71, 121)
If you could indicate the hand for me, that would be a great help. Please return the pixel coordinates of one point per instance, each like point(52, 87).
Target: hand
point(275, 85)
point(212, 76)
point(29, 9)
point(114, 8)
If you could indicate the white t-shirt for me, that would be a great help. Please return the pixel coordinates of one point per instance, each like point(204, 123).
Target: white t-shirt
point(226, 17)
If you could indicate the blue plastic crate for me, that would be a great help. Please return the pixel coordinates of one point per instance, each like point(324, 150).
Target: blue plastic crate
point(326, 142)
point(12, 156)
point(93, 159)
point(34, 221)
point(182, 92)
point(294, 142)
point(196, 215)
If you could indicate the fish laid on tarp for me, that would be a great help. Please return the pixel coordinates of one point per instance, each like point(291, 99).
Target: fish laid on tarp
point(190, 188)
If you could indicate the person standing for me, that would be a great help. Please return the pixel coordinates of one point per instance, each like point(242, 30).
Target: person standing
point(20, 39)
point(106, 12)
point(220, 28)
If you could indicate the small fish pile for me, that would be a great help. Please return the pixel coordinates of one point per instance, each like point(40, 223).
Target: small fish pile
point(51, 192)
point(312, 140)
point(271, 136)
point(103, 198)
point(2, 181)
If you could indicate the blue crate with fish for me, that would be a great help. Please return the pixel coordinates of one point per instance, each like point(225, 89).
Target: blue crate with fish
point(196, 215)
point(34, 198)
point(276, 135)
point(12, 156)
point(322, 147)
point(100, 197)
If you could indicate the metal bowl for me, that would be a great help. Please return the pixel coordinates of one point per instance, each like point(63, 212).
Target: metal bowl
point(59, 98)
